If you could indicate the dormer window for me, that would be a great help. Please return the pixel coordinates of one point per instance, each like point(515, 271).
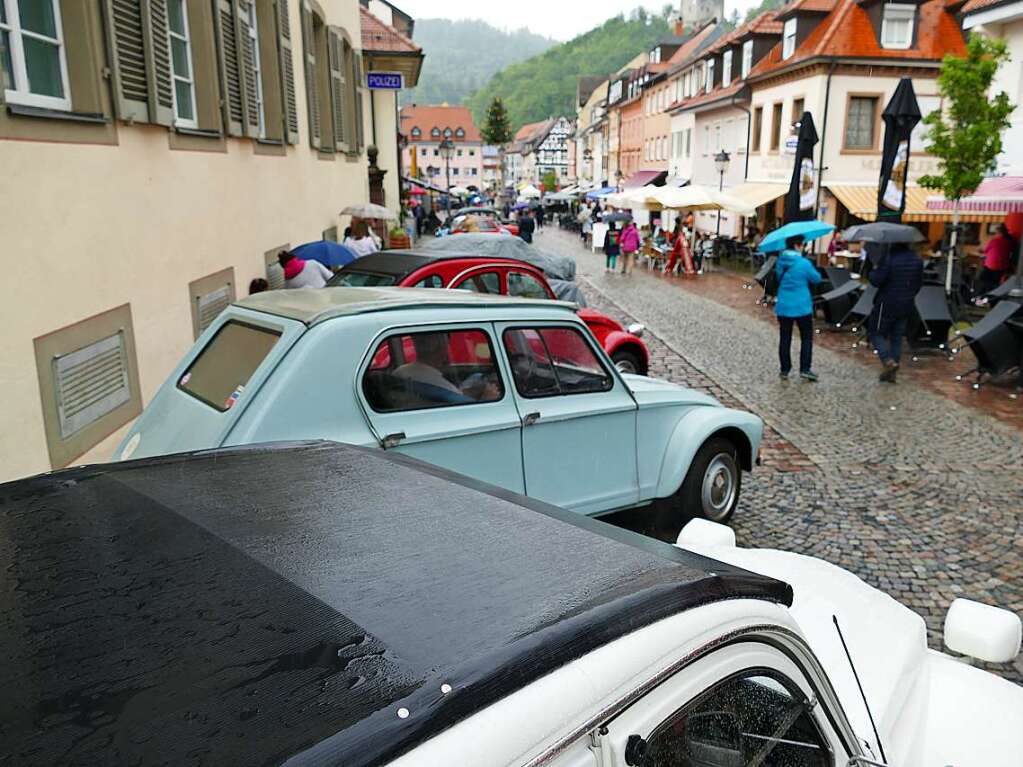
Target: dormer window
point(416, 133)
point(710, 75)
point(447, 133)
point(897, 26)
point(788, 45)
point(460, 133)
point(726, 69)
point(747, 58)
point(435, 132)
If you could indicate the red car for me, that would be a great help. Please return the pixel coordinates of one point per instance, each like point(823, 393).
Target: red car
point(420, 269)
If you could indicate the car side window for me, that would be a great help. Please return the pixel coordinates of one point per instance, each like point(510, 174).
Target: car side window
point(430, 281)
point(525, 286)
point(754, 718)
point(487, 282)
point(546, 362)
point(416, 371)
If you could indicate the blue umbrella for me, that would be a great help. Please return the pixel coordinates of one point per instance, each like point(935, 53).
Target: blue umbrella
point(328, 253)
point(809, 230)
point(520, 206)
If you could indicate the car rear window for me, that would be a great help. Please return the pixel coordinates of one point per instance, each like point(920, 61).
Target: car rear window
point(219, 374)
point(362, 280)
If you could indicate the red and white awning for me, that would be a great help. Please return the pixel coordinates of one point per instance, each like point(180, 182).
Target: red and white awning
point(994, 195)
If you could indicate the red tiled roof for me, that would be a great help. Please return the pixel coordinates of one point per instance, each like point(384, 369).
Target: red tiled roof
point(765, 24)
point(526, 131)
point(426, 118)
point(715, 95)
point(690, 46)
point(809, 6)
point(377, 36)
point(848, 33)
point(978, 5)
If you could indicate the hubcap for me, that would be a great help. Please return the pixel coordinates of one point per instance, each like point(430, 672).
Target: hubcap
point(719, 487)
point(626, 366)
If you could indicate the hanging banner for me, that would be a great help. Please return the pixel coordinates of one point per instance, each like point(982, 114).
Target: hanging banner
point(801, 198)
point(900, 118)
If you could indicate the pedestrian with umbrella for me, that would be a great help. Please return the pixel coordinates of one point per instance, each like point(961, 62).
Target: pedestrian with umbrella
point(898, 276)
point(300, 273)
point(794, 306)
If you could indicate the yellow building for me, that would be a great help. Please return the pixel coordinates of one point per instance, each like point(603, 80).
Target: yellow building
point(156, 157)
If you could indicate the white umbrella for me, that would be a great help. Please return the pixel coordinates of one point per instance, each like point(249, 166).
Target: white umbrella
point(530, 192)
point(642, 197)
point(369, 210)
point(700, 198)
point(459, 190)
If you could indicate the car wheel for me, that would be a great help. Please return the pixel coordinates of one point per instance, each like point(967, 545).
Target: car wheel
point(627, 362)
point(711, 488)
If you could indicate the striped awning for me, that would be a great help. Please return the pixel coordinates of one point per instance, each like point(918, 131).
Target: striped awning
point(994, 195)
point(861, 201)
point(756, 194)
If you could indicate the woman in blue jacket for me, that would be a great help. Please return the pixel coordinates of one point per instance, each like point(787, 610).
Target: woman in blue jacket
point(795, 307)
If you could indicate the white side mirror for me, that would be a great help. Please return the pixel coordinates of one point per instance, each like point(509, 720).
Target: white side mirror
point(982, 632)
point(703, 532)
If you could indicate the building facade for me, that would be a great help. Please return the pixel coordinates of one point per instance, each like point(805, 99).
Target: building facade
point(591, 127)
point(425, 127)
point(175, 179)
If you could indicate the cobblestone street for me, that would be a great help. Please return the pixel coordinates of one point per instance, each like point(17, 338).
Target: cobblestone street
point(913, 491)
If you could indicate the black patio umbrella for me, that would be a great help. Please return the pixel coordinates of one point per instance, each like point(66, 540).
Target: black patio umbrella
point(900, 117)
point(618, 217)
point(801, 200)
point(883, 233)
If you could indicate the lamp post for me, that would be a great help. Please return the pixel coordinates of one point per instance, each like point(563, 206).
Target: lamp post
point(721, 160)
point(447, 151)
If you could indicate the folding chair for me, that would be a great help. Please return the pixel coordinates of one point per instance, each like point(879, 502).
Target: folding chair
point(993, 343)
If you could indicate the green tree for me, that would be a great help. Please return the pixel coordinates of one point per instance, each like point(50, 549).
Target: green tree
point(497, 131)
point(966, 136)
point(550, 181)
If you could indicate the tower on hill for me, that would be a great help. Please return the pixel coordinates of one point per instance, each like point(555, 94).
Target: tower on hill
point(693, 14)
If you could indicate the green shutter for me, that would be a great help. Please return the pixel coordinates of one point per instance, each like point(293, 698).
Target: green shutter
point(357, 86)
point(289, 112)
point(230, 69)
point(140, 60)
point(247, 64)
point(337, 88)
point(311, 89)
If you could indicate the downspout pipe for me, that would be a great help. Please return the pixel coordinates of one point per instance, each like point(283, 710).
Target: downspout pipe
point(824, 136)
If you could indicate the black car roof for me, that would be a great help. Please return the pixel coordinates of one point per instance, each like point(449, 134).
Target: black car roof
point(401, 263)
point(272, 603)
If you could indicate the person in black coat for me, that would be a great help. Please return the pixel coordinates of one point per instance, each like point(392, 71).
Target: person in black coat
point(898, 276)
point(526, 226)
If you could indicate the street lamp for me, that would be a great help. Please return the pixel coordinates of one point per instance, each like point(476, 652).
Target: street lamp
point(447, 151)
point(721, 160)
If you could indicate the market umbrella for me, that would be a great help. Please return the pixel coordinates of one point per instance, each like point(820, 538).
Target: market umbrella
point(328, 253)
point(369, 210)
point(801, 198)
point(809, 230)
point(619, 216)
point(417, 191)
point(458, 191)
point(900, 117)
point(882, 232)
point(520, 206)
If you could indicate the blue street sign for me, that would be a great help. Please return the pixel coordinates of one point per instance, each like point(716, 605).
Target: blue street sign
point(384, 81)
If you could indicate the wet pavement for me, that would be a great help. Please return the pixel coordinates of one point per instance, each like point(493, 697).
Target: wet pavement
point(916, 487)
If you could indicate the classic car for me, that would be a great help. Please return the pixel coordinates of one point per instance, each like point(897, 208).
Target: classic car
point(322, 604)
point(480, 274)
point(512, 391)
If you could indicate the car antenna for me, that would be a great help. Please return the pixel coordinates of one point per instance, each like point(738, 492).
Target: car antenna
point(862, 694)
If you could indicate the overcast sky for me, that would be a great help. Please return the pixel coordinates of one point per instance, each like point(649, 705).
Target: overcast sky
point(560, 19)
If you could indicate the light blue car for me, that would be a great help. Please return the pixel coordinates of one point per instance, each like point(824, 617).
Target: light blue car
point(515, 392)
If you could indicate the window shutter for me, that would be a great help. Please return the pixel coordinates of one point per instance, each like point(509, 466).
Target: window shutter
point(230, 68)
point(90, 382)
point(311, 90)
point(246, 46)
point(158, 65)
point(357, 86)
point(287, 69)
point(140, 60)
point(337, 88)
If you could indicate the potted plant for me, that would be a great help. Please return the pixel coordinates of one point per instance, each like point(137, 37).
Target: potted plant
point(397, 238)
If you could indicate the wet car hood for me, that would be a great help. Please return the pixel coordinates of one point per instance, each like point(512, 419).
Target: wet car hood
point(653, 392)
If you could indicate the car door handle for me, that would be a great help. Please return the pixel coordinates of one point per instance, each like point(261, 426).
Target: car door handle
point(393, 440)
point(530, 418)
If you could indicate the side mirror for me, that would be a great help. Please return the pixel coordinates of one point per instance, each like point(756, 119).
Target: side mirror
point(637, 328)
point(703, 532)
point(982, 632)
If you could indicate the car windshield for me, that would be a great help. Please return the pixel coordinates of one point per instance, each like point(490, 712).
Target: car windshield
point(353, 279)
point(219, 374)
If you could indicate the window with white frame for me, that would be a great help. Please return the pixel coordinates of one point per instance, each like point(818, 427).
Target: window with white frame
point(34, 60)
point(897, 26)
point(689, 142)
point(181, 64)
point(747, 58)
point(710, 75)
point(726, 69)
point(706, 139)
point(788, 45)
point(257, 69)
point(717, 137)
